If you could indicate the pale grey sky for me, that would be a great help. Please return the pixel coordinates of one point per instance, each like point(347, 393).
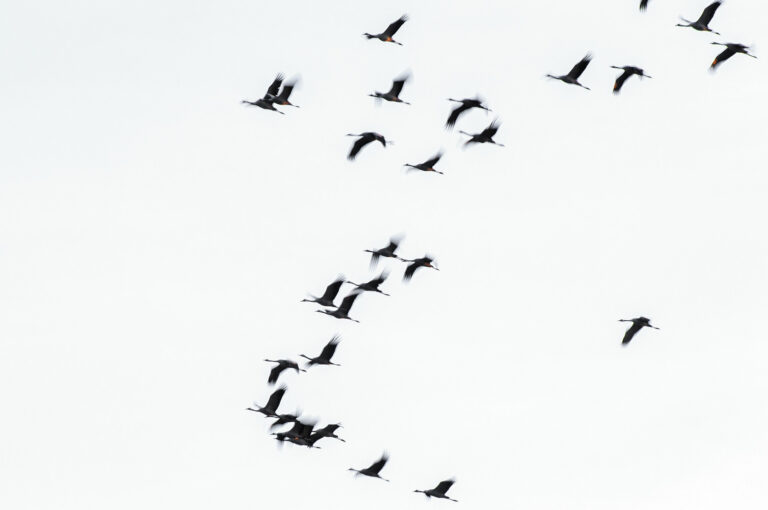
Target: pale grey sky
point(156, 237)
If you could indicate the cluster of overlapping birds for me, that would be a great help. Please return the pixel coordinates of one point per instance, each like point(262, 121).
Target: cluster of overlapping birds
point(304, 433)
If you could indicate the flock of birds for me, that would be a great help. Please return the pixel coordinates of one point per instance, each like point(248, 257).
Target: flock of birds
point(305, 433)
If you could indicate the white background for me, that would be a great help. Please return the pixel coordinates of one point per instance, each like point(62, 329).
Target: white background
point(156, 237)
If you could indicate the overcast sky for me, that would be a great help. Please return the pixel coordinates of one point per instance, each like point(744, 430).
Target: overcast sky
point(156, 237)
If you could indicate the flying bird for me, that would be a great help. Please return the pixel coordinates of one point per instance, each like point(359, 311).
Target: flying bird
point(372, 285)
point(270, 410)
point(730, 50)
point(425, 261)
point(486, 136)
point(440, 490)
point(637, 324)
point(702, 24)
point(428, 165)
point(643, 5)
point(573, 75)
point(388, 251)
point(282, 419)
point(394, 93)
point(374, 469)
point(285, 93)
point(299, 434)
point(466, 104)
point(331, 291)
point(268, 101)
point(387, 34)
point(342, 312)
point(325, 355)
point(363, 140)
point(327, 431)
point(628, 71)
point(282, 364)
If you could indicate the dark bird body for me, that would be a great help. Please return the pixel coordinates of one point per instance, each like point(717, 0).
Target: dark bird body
point(300, 434)
point(342, 312)
point(425, 261)
point(325, 356)
point(466, 104)
point(331, 291)
point(393, 95)
point(363, 140)
point(283, 419)
point(386, 35)
point(486, 136)
point(374, 469)
point(439, 491)
point(274, 96)
point(327, 431)
point(573, 75)
point(702, 24)
point(628, 71)
point(282, 364)
point(730, 50)
point(270, 410)
point(372, 285)
point(637, 324)
point(388, 251)
point(428, 165)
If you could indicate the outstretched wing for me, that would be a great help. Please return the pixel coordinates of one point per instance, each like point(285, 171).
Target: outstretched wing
point(332, 290)
point(579, 68)
point(275, 398)
point(346, 303)
point(409, 271)
point(709, 12)
point(620, 81)
point(455, 114)
point(286, 92)
point(443, 486)
point(359, 144)
point(379, 464)
point(490, 131)
point(432, 162)
point(275, 372)
point(633, 329)
point(643, 5)
point(397, 87)
point(722, 57)
point(395, 26)
point(275, 87)
point(330, 348)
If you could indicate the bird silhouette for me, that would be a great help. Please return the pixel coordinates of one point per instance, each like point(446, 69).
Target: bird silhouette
point(428, 165)
point(393, 95)
point(628, 71)
point(342, 312)
point(702, 24)
point(372, 285)
point(573, 75)
point(325, 355)
point(387, 34)
point(282, 364)
point(268, 101)
point(466, 104)
point(388, 251)
point(270, 409)
point(374, 469)
point(637, 324)
point(331, 291)
point(730, 50)
point(486, 136)
point(363, 140)
point(440, 490)
point(425, 261)
point(327, 431)
point(282, 419)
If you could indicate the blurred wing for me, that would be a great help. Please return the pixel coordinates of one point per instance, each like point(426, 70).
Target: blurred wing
point(275, 398)
point(397, 87)
point(620, 81)
point(275, 87)
point(359, 144)
point(709, 12)
point(332, 290)
point(443, 486)
point(722, 57)
point(455, 114)
point(395, 26)
point(579, 68)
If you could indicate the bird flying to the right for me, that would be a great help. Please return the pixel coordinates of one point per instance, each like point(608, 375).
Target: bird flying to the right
point(730, 50)
point(637, 324)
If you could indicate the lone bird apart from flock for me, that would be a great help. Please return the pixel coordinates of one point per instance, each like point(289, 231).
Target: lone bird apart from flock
point(282, 364)
point(269, 410)
point(374, 469)
point(329, 295)
point(388, 251)
point(428, 165)
point(425, 261)
point(702, 24)
point(730, 50)
point(628, 71)
point(440, 490)
point(466, 104)
point(365, 139)
point(342, 312)
point(387, 34)
point(486, 136)
point(325, 355)
point(573, 75)
point(394, 93)
point(272, 97)
point(637, 324)
point(372, 285)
